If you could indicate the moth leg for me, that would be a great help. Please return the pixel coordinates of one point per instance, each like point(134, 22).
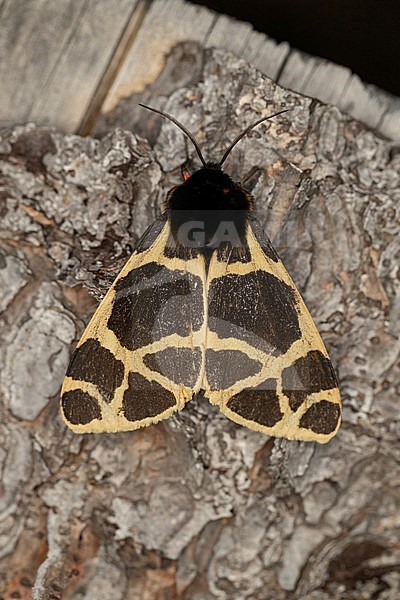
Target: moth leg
point(114, 268)
point(250, 174)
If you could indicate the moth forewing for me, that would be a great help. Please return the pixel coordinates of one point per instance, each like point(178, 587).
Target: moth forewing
point(281, 382)
point(141, 355)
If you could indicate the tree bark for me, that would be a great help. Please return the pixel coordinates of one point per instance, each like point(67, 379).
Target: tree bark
point(198, 507)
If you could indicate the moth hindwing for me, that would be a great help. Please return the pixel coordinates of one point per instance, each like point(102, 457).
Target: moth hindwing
point(204, 303)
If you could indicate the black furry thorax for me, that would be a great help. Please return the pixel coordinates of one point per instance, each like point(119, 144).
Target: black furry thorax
point(209, 201)
point(209, 188)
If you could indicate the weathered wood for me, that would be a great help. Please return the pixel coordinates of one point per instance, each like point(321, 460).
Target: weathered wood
point(165, 25)
point(66, 63)
point(241, 39)
point(170, 22)
point(54, 55)
point(334, 84)
point(312, 76)
point(197, 507)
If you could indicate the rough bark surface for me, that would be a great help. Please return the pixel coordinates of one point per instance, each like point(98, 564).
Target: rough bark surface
point(198, 508)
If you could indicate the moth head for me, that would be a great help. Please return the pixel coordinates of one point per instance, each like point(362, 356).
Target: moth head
point(212, 165)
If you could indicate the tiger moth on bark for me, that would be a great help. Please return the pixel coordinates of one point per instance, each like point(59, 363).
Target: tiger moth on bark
point(203, 304)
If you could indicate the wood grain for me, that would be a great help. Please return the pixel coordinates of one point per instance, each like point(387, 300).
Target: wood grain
point(171, 22)
point(67, 63)
point(54, 54)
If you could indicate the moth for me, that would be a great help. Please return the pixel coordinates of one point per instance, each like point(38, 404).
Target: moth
point(204, 304)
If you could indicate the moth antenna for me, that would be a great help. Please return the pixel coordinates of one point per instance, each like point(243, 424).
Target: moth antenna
point(245, 132)
point(181, 127)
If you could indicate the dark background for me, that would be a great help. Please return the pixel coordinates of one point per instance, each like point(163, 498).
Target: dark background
point(363, 35)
